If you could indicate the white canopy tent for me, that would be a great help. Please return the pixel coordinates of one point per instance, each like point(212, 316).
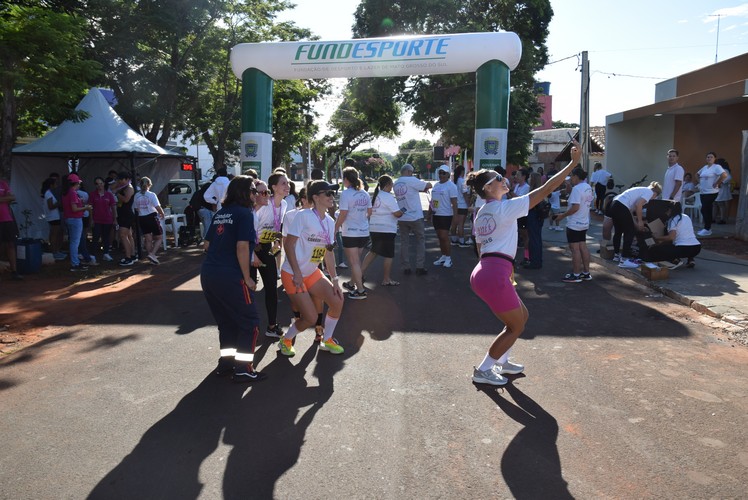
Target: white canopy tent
point(102, 142)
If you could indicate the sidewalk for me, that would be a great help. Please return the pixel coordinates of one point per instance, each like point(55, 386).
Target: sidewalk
point(717, 286)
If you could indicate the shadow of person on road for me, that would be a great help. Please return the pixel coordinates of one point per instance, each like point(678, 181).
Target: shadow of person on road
point(531, 466)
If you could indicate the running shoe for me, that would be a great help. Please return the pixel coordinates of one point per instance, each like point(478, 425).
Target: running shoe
point(510, 368)
point(319, 332)
point(454, 242)
point(286, 347)
point(331, 345)
point(690, 264)
point(79, 267)
point(488, 377)
point(92, 261)
point(447, 262)
point(247, 374)
point(629, 264)
point(357, 295)
point(343, 265)
point(275, 332)
point(572, 278)
point(586, 276)
point(348, 285)
point(153, 258)
point(704, 232)
point(127, 262)
point(107, 257)
point(440, 260)
point(465, 244)
point(60, 256)
point(617, 257)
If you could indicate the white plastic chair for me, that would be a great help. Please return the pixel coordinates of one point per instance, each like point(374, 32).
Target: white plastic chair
point(692, 207)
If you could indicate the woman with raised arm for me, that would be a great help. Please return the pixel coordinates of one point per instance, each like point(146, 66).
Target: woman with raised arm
point(491, 280)
point(309, 242)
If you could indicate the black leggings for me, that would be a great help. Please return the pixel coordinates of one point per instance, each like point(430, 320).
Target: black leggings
point(707, 203)
point(623, 223)
point(599, 195)
point(269, 274)
point(668, 251)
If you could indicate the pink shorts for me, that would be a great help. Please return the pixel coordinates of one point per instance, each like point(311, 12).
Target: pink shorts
point(492, 281)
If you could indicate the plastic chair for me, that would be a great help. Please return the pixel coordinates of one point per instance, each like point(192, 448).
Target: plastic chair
point(692, 207)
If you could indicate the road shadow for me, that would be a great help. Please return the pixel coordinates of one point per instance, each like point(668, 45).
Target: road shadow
point(530, 466)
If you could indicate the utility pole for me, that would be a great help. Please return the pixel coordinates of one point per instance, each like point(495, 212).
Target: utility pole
point(716, 50)
point(584, 114)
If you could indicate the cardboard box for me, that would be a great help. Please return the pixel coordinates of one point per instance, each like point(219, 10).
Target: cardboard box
point(606, 250)
point(656, 274)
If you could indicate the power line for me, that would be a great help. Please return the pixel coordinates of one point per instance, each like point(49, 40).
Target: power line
point(629, 76)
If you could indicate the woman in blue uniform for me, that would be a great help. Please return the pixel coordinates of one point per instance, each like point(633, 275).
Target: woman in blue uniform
point(226, 282)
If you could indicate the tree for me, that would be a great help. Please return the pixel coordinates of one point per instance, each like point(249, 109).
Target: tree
point(446, 103)
point(416, 152)
point(43, 71)
point(560, 124)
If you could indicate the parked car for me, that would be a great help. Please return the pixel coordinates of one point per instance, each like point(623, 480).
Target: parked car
point(179, 192)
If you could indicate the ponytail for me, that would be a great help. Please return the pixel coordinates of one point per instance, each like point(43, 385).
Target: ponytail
point(383, 181)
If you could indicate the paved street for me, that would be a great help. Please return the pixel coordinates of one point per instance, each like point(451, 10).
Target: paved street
point(627, 394)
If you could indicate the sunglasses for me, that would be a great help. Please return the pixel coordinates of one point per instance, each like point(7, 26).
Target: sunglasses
point(330, 193)
point(261, 193)
point(498, 176)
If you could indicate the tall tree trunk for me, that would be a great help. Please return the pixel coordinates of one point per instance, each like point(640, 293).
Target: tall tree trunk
point(9, 120)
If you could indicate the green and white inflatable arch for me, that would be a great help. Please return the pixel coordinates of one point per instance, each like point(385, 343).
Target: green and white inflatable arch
point(491, 55)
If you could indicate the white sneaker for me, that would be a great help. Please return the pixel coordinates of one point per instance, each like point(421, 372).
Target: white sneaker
point(107, 257)
point(617, 257)
point(440, 260)
point(510, 368)
point(704, 232)
point(628, 264)
point(447, 262)
point(559, 228)
point(489, 376)
point(343, 265)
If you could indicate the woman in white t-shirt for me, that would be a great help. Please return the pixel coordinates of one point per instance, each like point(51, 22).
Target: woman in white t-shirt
point(680, 241)
point(710, 177)
point(625, 224)
point(442, 210)
point(492, 278)
point(383, 228)
point(457, 231)
point(308, 243)
point(150, 214)
point(355, 209)
point(51, 209)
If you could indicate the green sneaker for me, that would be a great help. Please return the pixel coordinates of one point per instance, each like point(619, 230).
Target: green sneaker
point(331, 346)
point(286, 347)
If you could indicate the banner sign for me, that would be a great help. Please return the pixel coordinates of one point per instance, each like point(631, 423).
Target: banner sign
point(377, 57)
point(490, 148)
point(257, 153)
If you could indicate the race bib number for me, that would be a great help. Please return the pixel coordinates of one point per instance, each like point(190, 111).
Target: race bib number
point(318, 254)
point(267, 236)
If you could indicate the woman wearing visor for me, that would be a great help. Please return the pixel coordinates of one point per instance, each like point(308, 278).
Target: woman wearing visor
point(310, 241)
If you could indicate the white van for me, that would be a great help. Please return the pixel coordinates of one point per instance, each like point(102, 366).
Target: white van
point(179, 193)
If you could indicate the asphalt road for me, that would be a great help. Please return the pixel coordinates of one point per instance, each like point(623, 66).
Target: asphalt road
point(626, 395)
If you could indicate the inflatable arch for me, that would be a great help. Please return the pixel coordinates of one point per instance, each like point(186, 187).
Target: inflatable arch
point(491, 55)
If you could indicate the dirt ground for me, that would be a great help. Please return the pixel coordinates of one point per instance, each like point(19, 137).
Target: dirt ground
point(28, 305)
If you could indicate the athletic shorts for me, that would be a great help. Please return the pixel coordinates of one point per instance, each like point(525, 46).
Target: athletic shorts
point(8, 231)
point(573, 236)
point(290, 288)
point(492, 281)
point(462, 211)
point(441, 222)
point(355, 241)
point(383, 244)
point(124, 220)
point(149, 224)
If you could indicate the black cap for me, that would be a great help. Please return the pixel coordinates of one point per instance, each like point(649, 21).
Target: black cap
point(316, 187)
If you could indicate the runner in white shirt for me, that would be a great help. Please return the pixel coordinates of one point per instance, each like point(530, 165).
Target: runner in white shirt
point(383, 228)
point(491, 280)
point(680, 242)
point(631, 200)
point(150, 215)
point(578, 221)
point(310, 242)
point(268, 222)
point(407, 192)
point(442, 210)
point(355, 209)
point(457, 231)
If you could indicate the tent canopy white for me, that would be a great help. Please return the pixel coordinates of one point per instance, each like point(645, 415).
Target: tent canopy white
point(102, 142)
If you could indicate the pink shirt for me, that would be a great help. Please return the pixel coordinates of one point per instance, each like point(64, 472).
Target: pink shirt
point(102, 207)
point(5, 215)
point(67, 205)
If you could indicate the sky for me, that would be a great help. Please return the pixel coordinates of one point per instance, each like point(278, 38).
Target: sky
point(631, 46)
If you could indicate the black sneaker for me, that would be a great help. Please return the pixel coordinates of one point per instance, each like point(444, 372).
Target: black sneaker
point(677, 263)
point(572, 278)
point(127, 262)
point(421, 271)
point(348, 285)
point(247, 376)
point(275, 332)
point(79, 267)
point(357, 295)
point(585, 276)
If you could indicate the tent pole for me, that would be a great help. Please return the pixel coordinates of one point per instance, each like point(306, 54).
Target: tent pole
point(138, 245)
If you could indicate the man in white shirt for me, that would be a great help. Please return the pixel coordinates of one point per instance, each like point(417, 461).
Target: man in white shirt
point(671, 187)
point(217, 190)
point(578, 221)
point(407, 191)
point(599, 180)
